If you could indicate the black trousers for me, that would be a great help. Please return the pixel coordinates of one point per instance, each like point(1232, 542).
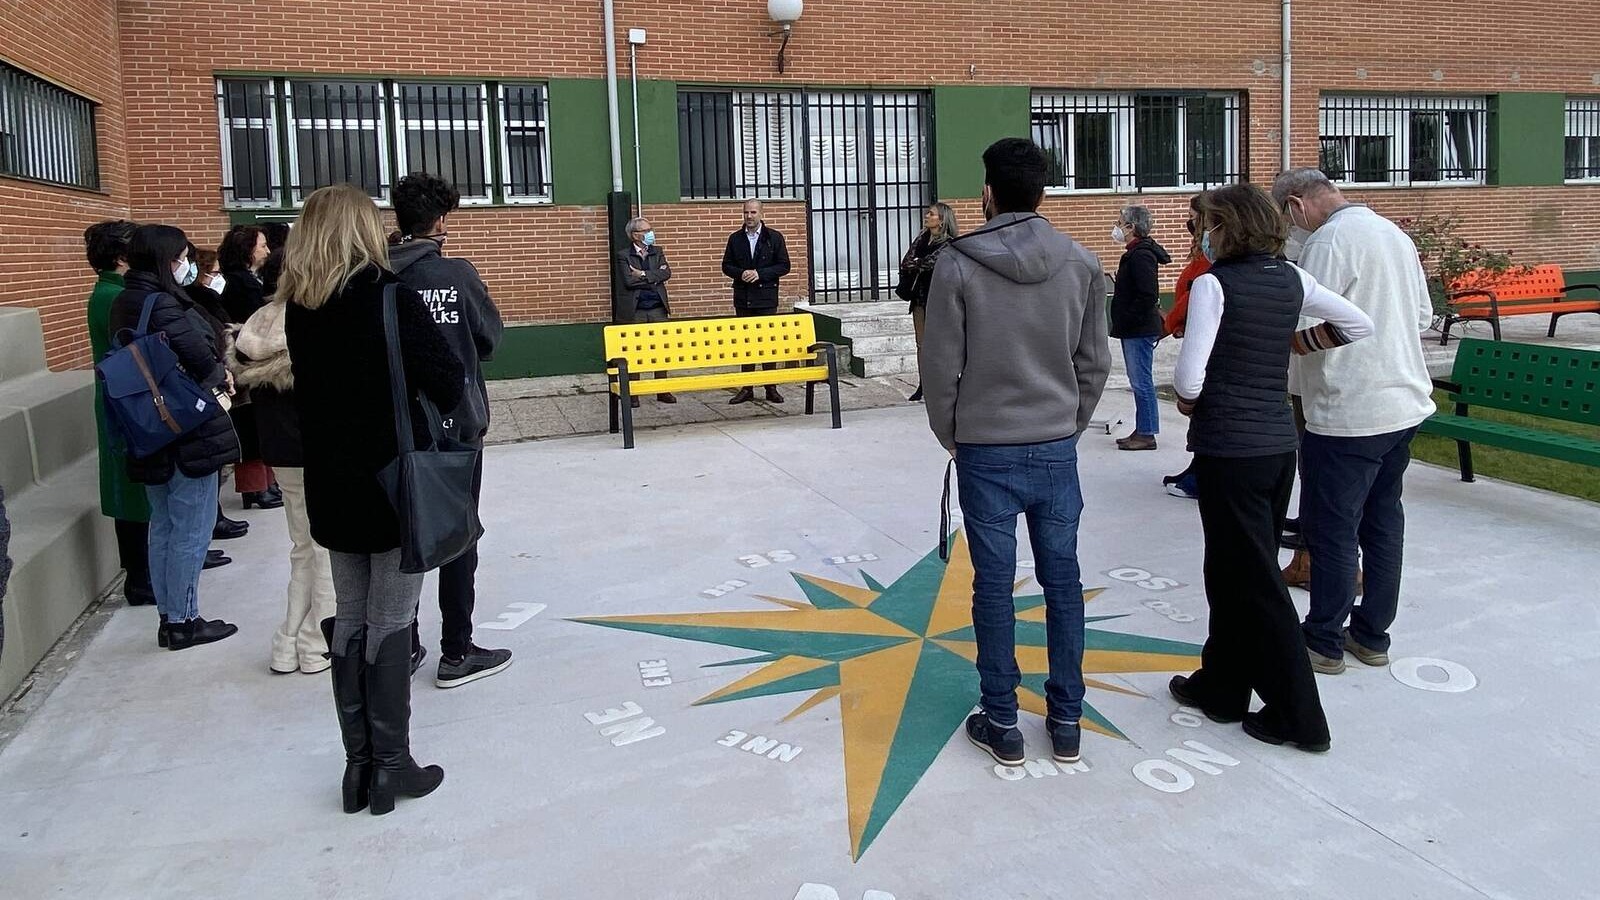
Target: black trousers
point(458, 590)
point(741, 312)
point(1255, 642)
point(133, 551)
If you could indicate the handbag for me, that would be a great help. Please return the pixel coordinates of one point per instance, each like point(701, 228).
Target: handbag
point(149, 399)
point(429, 488)
point(944, 514)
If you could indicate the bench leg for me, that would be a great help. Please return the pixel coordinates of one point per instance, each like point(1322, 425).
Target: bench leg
point(614, 422)
point(811, 394)
point(625, 405)
point(1444, 336)
point(1495, 324)
point(833, 388)
point(1554, 317)
point(1464, 454)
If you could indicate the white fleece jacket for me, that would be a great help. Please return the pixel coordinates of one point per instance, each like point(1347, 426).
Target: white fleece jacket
point(1379, 385)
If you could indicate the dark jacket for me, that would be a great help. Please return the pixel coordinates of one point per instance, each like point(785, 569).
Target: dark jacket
point(259, 359)
point(213, 445)
point(916, 269)
point(242, 295)
point(340, 363)
point(461, 307)
point(1136, 298)
point(656, 273)
point(771, 262)
point(120, 497)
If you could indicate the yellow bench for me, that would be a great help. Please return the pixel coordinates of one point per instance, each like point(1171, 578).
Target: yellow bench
point(683, 344)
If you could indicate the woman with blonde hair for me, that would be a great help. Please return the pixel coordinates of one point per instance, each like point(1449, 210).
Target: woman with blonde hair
point(916, 271)
point(334, 281)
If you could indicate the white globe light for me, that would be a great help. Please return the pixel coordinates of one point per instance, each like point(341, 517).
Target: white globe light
point(785, 11)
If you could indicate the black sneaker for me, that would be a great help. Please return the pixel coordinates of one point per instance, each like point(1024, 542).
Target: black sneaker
point(1004, 744)
point(1064, 740)
point(417, 656)
point(477, 663)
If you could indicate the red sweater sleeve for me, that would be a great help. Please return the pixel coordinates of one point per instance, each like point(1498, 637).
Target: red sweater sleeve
point(1175, 319)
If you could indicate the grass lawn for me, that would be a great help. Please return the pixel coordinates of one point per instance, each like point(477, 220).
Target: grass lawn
point(1507, 465)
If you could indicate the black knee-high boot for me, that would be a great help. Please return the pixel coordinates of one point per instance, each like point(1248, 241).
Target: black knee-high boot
point(350, 699)
point(395, 773)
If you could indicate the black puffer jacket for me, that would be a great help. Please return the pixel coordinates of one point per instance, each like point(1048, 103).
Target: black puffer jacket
point(242, 295)
point(1136, 299)
point(213, 445)
point(340, 362)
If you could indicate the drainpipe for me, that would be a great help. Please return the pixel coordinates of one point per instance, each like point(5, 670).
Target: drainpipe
point(638, 167)
point(611, 96)
point(1283, 126)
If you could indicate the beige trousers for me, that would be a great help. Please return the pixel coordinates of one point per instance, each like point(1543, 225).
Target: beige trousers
point(298, 643)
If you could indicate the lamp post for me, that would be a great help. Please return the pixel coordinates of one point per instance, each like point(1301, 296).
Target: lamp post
point(785, 13)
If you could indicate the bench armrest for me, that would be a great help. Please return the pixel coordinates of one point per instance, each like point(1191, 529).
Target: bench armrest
point(1447, 385)
point(1494, 300)
point(620, 363)
point(1580, 287)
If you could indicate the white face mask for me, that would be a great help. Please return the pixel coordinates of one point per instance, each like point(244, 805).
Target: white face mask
point(1297, 241)
point(218, 283)
point(1119, 234)
point(186, 274)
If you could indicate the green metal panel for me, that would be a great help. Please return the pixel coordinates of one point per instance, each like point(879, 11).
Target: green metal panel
point(580, 144)
point(1553, 382)
point(1526, 139)
point(966, 120)
point(658, 145)
point(531, 351)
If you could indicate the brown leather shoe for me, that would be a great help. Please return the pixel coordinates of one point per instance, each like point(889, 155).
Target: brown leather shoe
point(1137, 441)
point(745, 395)
point(773, 396)
point(666, 398)
point(1298, 572)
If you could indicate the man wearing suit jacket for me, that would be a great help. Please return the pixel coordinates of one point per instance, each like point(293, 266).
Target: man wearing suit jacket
point(755, 259)
point(642, 272)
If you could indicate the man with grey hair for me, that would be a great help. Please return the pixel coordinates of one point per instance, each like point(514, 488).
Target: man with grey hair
point(1136, 319)
point(1362, 408)
point(642, 275)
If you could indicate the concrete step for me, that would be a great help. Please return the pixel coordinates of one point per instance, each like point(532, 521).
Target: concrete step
point(46, 425)
point(65, 554)
point(21, 343)
point(888, 364)
point(888, 324)
point(875, 345)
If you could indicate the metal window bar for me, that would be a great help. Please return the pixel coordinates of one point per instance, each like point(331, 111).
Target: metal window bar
point(1582, 145)
point(248, 122)
point(444, 130)
point(1139, 141)
point(46, 133)
point(339, 134)
point(524, 143)
point(737, 144)
point(1407, 140)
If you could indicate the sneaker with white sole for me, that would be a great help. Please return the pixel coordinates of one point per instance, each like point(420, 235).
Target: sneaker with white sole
point(1004, 744)
point(475, 664)
point(1326, 665)
point(1369, 657)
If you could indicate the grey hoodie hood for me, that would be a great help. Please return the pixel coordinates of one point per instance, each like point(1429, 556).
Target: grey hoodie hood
point(405, 255)
point(1020, 247)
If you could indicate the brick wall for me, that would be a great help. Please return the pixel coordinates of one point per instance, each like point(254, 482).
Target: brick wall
point(72, 43)
point(548, 263)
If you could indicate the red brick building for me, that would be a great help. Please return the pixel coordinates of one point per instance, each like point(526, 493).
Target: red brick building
point(207, 113)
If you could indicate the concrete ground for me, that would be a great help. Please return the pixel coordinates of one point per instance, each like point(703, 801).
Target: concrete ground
point(825, 761)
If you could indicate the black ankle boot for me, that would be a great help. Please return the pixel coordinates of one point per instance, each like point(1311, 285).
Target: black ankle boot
point(196, 631)
point(388, 683)
point(226, 528)
point(350, 701)
point(261, 500)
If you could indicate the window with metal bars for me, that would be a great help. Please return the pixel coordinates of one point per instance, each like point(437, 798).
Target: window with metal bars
point(443, 129)
point(338, 132)
point(524, 143)
point(1370, 140)
point(247, 114)
point(1139, 141)
point(737, 144)
point(47, 133)
point(1583, 139)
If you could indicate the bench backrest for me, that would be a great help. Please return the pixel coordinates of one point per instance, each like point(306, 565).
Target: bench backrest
point(1554, 382)
point(710, 343)
point(1538, 283)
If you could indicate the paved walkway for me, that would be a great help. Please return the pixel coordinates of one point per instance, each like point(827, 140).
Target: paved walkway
point(740, 674)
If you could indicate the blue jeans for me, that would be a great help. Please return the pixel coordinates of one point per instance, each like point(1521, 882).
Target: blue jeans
point(1350, 499)
point(998, 483)
point(182, 513)
point(1139, 358)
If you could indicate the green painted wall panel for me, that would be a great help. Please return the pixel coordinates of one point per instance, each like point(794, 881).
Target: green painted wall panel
point(531, 351)
point(966, 120)
point(580, 145)
point(1526, 138)
point(658, 145)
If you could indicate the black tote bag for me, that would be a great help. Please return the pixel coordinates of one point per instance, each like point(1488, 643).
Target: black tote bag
point(431, 488)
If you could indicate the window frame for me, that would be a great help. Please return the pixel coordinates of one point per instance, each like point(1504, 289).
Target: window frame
point(1398, 112)
point(503, 128)
point(54, 132)
point(1582, 114)
point(1066, 106)
point(382, 125)
point(401, 130)
point(750, 172)
point(273, 127)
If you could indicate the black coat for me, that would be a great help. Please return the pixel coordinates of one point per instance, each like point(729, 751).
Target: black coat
point(213, 445)
point(771, 262)
point(916, 269)
point(656, 273)
point(277, 427)
point(242, 295)
point(341, 391)
point(1136, 299)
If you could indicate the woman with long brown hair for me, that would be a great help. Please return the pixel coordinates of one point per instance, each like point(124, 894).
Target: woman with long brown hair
point(336, 270)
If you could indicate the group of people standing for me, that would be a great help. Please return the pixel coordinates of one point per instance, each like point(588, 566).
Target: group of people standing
point(1014, 363)
point(292, 340)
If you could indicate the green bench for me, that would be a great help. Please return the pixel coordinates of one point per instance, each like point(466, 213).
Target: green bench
point(1549, 382)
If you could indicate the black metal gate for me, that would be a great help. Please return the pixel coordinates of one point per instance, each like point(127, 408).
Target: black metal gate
point(867, 186)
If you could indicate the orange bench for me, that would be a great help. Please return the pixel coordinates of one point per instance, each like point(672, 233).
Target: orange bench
point(1481, 296)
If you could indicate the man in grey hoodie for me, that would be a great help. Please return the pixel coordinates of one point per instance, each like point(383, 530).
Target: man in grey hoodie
point(1015, 356)
point(463, 311)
